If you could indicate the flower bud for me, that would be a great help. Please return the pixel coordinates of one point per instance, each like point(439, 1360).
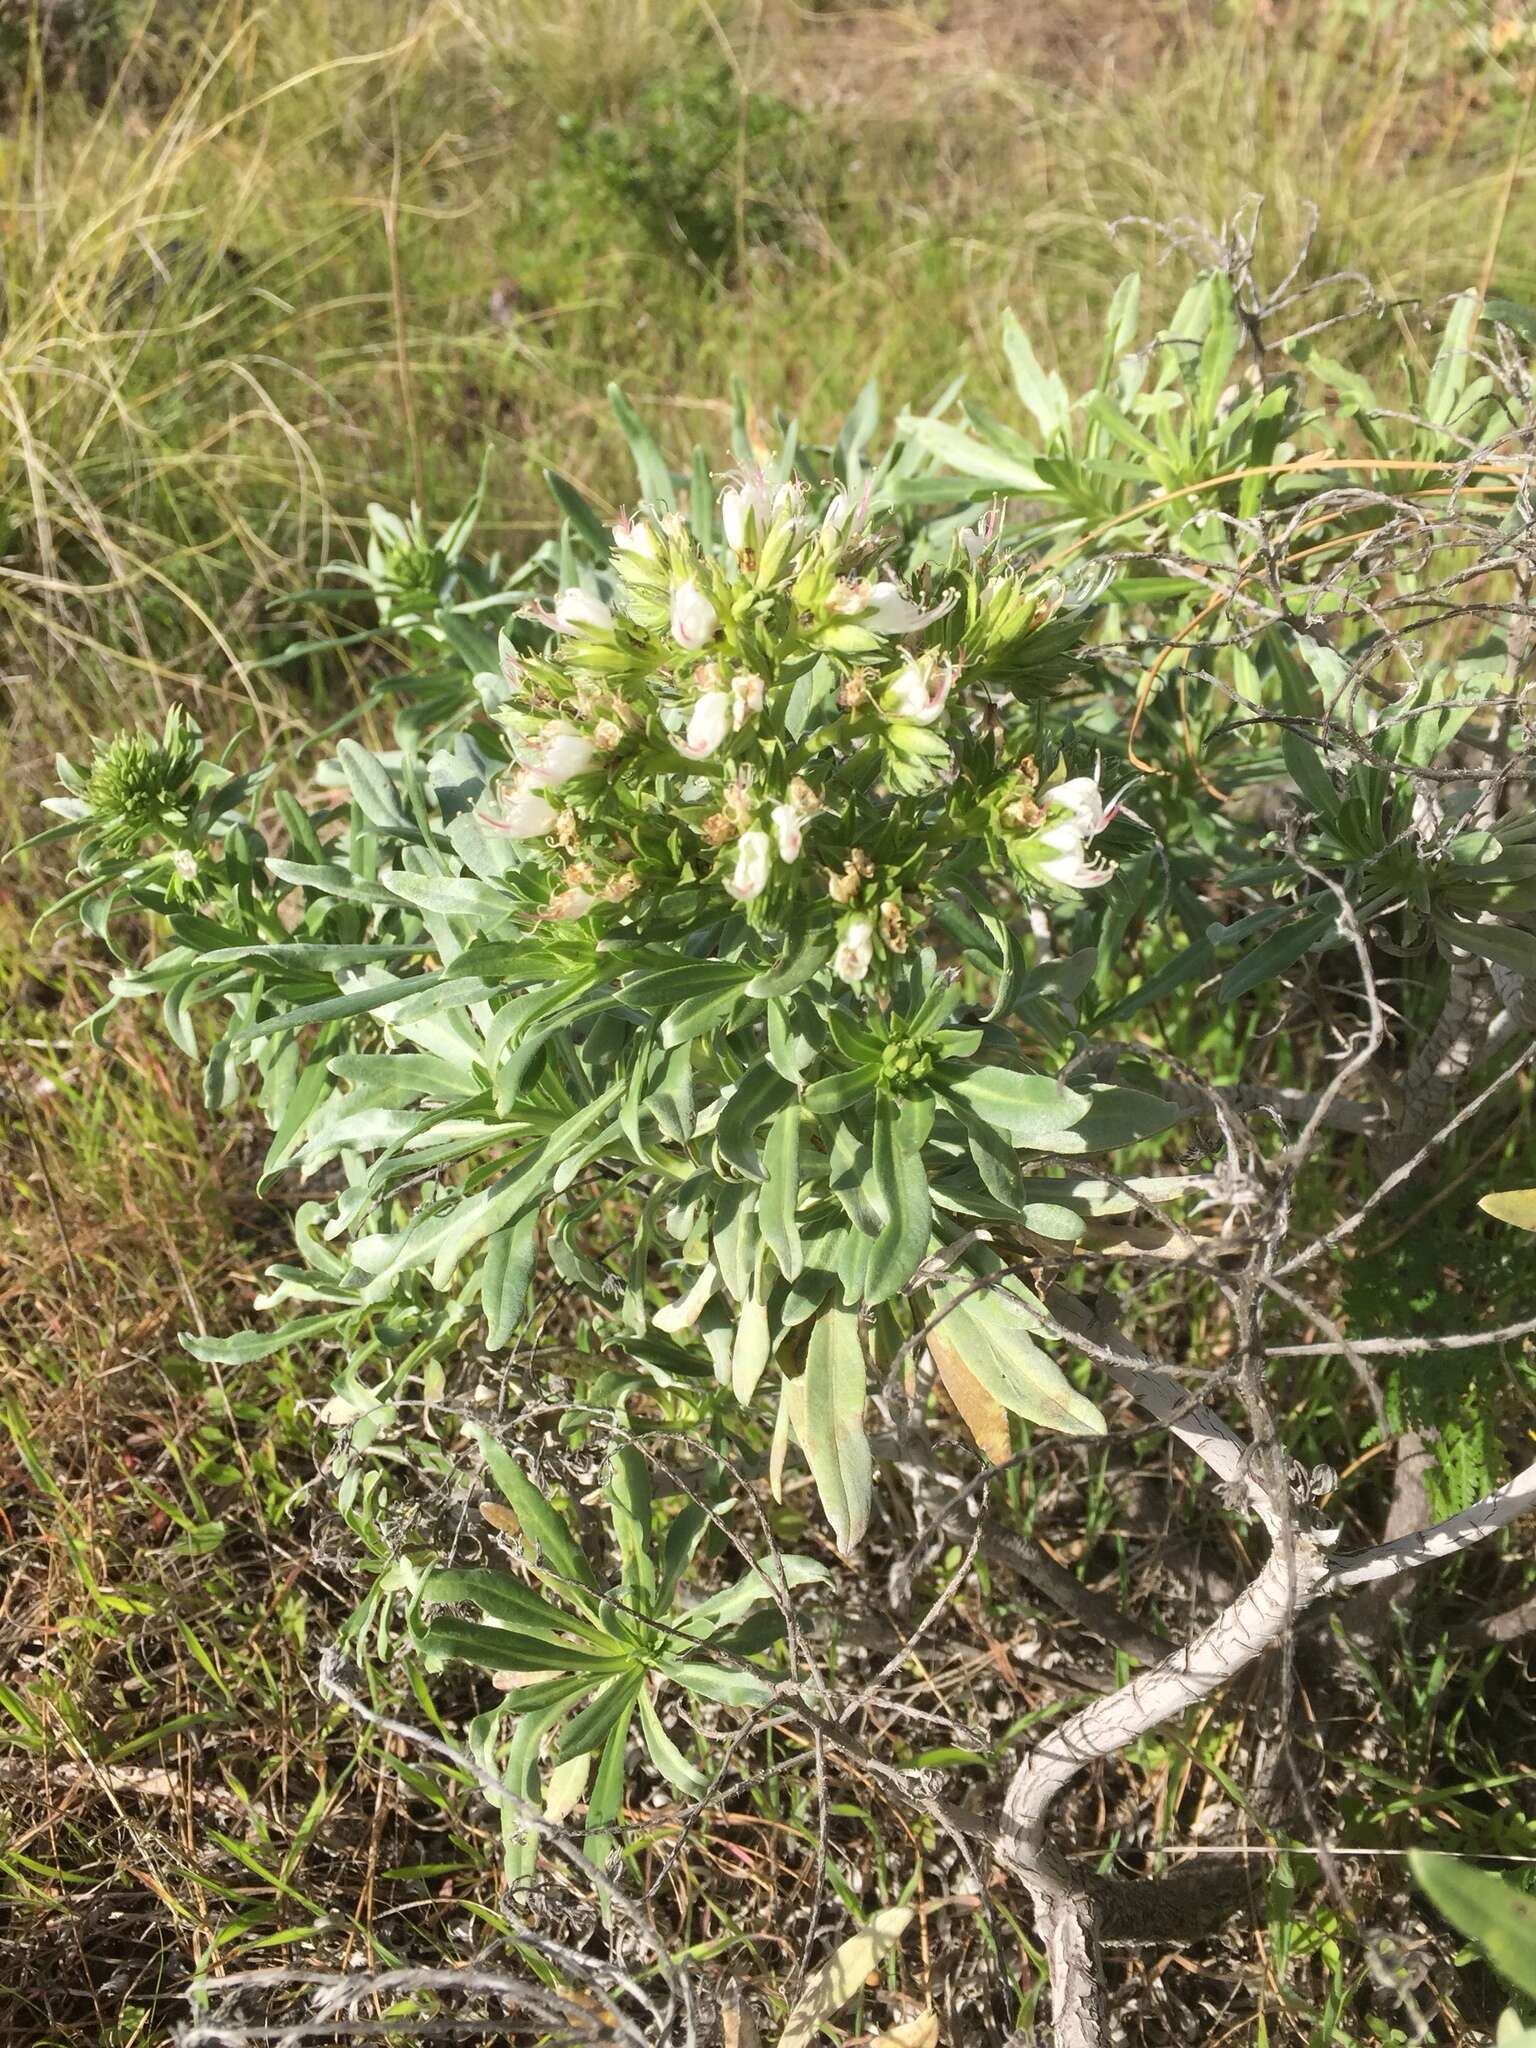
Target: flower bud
point(890, 610)
point(746, 508)
point(883, 607)
point(1071, 813)
point(554, 754)
point(636, 537)
point(1080, 799)
point(748, 694)
point(524, 814)
point(845, 515)
point(578, 611)
point(694, 619)
point(708, 724)
point(754, 853)
point(787, 831)
point(855, 950)
point(568, 904)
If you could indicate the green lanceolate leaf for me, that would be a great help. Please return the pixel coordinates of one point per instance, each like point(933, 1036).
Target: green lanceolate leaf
point(900, 1185)
point(779, 1200)
point(506, 1600)
point(1505, 944)
point(373, 790)
point(510, 1255)
point(758, 1095)
point(502, 1649)
point(596, 1721)
point(1027, 1108)
point(536, 1518)
point(1487, 1909)
point(665, 1754)
point(751, 1349)
point(606, 1800)
point(839, 1091)
point(728, 1688)
point(828, 1418)
point(1116, 1116)
point(629, 1506)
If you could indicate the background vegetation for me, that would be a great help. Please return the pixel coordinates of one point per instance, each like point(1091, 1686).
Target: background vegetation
point(262, 264)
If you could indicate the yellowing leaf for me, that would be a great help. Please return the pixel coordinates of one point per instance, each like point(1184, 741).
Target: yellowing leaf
point(982, 1413)
point(831, 1987)
point(566, 1787)
point(736, 2021)
point(1515, 1205)
point(922, 2032)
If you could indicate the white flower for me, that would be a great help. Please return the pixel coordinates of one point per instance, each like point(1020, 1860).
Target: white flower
point(553, 755)
point(975, 540)
point(636, 537)
point(855, 950)
point(1066, 862)
point(694, 618)
point(524, 814)
point(890, 610)
point(185, 864)
point(846, 515)
point(684, 1313)
point(578, 611)
point(708, 724)
point(787, 831)
point(754, 853)
point(746, 510)
point(1075, 812)
point(1080, 799)
point(884, 607)
point(748, 694)
point(918, 691)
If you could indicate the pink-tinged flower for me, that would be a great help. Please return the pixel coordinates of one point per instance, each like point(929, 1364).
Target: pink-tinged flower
point(522, 813)
point(855, 950)
point(567, 904)
point(918, 691)
point(708, 724)
point(754, 854)
point(694, 618)
point(748, 694)
point(685, 1312)
point(975, 540)
point(636, 537)
point(578, 611)
point(554, 754)
point(788, 831)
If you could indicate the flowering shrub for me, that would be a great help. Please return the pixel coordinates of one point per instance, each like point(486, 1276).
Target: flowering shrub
point(719, 916)
point(726, 990)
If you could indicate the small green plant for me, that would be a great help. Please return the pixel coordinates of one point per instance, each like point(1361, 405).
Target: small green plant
point(584, 1658)
point(706, 169)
